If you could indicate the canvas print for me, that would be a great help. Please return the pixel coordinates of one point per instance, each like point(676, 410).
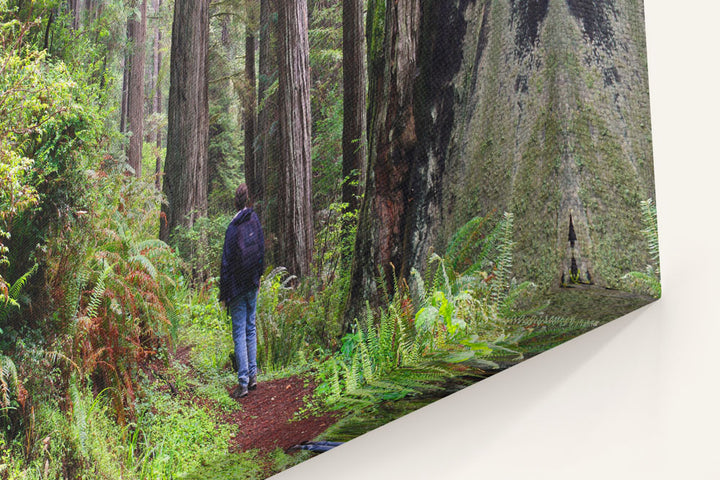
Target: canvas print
point(237, 234)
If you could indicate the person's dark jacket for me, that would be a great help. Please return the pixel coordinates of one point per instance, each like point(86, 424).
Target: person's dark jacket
point(233, 280)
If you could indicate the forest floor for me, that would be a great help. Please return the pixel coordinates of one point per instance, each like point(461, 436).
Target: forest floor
point(275, 415)
point(278, 414)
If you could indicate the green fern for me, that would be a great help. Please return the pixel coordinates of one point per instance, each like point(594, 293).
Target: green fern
point(648, 281)
point(503, 266)
point(650, 231)
point(8, 383)
point(97, 293)
point(14, 294)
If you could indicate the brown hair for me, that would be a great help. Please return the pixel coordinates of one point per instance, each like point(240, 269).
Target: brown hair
point(241, 197)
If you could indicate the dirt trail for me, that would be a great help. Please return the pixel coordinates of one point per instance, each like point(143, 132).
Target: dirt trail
point(266, 418)
point(271, 416)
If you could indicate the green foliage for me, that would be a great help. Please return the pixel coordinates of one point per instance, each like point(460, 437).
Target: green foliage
point(9, 393)
point(383, 359)
point(327, 287)
point(281, 322)
point(12, 295)
point(481, 314)
point(327, 152)
point(177, 437)
point(201, 246)
point(206, 327)
point(325, 37)
point(649, 280)
point(540, 333)
point(113, 285)
point(51, 128)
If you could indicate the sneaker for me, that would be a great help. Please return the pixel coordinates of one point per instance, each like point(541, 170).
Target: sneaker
point(239, 392)
point(252, 385)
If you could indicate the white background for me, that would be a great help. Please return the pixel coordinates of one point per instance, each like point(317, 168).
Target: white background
point(637, 398)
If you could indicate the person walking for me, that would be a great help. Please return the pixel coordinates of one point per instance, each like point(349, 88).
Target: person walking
point(243, 262)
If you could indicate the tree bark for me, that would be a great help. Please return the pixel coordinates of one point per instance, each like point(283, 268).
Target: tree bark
point(392, 140)
point(354, 106)
point(124, 94)
point(136, 84)
point(185, 180)
point(296, 216)
point(250, 113)
point(267, 153)
point(157, 96)
point(75, 10)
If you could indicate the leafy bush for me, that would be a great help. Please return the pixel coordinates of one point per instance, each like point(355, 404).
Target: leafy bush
point(51, 129)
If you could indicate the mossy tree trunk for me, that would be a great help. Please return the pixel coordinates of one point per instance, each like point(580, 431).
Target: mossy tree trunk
point(393, 30)
point(538, 108)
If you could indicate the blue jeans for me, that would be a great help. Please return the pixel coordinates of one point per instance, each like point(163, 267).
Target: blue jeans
point(242, 311)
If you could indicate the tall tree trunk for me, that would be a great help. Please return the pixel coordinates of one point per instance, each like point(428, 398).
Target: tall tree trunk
point(250, 113)
point(185, 180)
point(490, 109)
point(296, 217)
point(354, 106)
point(75, 9)
point(124, 94)
point(392, 140)
point(267, 153)
point(136, 84)
point(157, 95)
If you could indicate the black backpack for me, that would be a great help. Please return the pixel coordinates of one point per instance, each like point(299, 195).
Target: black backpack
point(251, 248)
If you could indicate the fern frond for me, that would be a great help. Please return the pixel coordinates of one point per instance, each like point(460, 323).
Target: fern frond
point(14, 293)
point(461, 247)
point(8, 382)
point(649, 213)
point(555, 322)
point(367, 367)
point(145, 264)
point(152, 244)
point(503, 266)
point(97, 293)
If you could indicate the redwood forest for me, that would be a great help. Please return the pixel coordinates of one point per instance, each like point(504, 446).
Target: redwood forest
point(446, 188)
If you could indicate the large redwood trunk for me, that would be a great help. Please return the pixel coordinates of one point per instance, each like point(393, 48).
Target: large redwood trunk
point(392, 140)
point(478, 106)
point(296, 216)
point(185, 181)
point(267, 153)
